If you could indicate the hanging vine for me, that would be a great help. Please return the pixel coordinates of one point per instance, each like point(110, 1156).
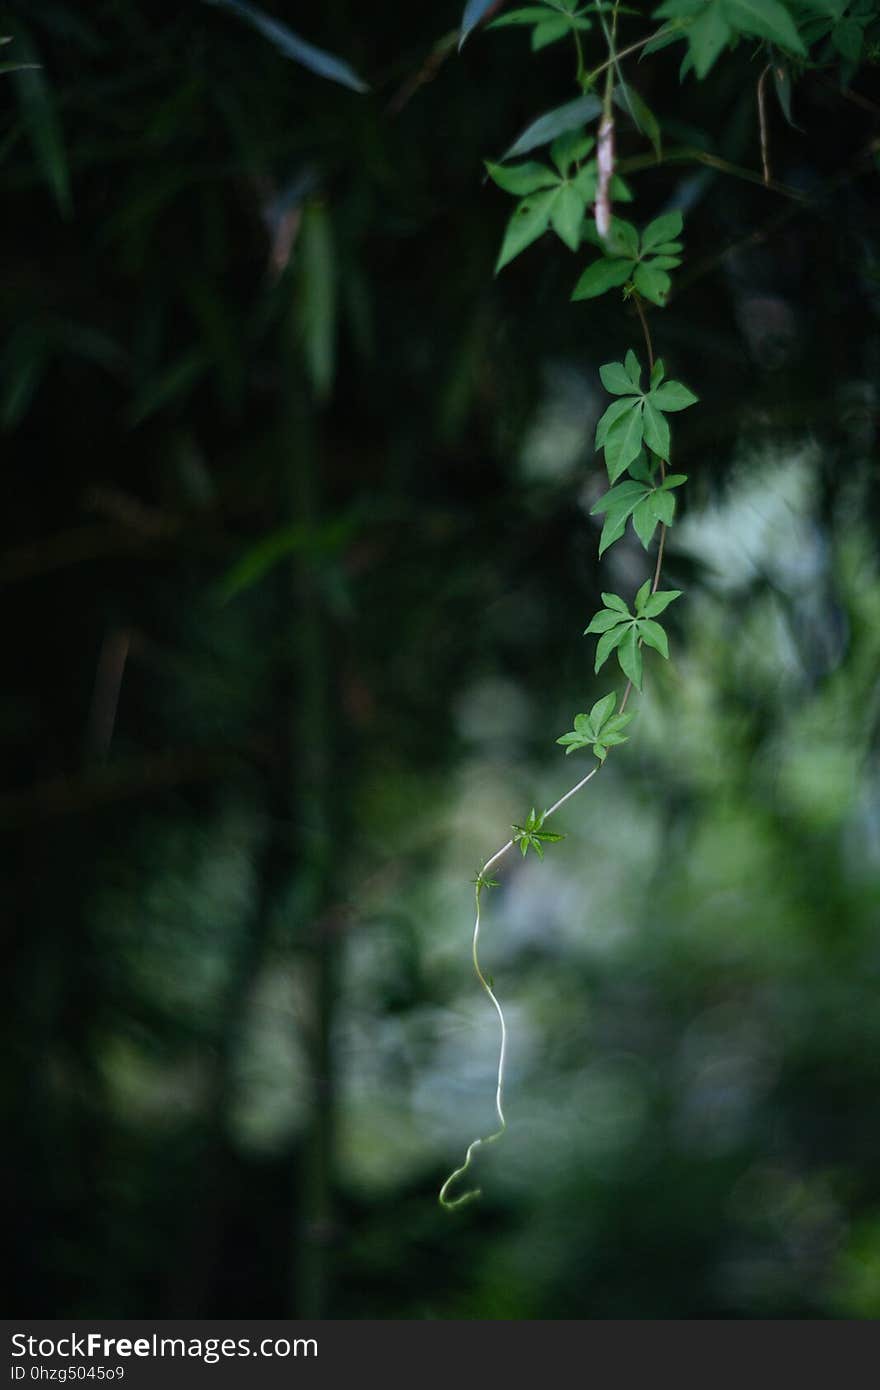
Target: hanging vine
point(573, 197)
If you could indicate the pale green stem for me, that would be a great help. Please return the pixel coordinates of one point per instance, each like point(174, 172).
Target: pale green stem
point(452, 1202)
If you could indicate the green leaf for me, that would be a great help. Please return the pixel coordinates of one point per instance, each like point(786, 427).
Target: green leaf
point(643, 595)
point(672, 396)
point(572, 742)
point(623, 496)
point(556, 122)
point(521, 179)
point(614, 528)
point(622, 443)
point(602, 709)
point(657, 373)
point(622, 240)
point(663, 506)
point(611, 730)
point(600, 751)
point(644, 522)
point(662, 229)
point(707, 36)
point(657, 603)
point(615, 601)
point(614, 412)
point(674, 480)
point(602, 275)
point(604, 620)
point(570, 148)
point(549, 32)
point(290, 45)
point(607, 642)
point(630, 658)
point(612, 740)
point(529, 221)
point(567, 215)
point(616, 378)
point(652, 283)
point(652, 635)
point(768, 19)
point(633, 369)
point(37, 105)
point(642, 470)
point(656, 429)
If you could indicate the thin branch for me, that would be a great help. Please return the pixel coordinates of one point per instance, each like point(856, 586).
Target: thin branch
point(762, 122)
point(610, 62)
point(689, 154)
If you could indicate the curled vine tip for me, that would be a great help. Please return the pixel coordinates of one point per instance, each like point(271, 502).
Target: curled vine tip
point(453, 1203)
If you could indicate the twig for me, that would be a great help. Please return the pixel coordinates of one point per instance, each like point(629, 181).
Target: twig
point(762, 122)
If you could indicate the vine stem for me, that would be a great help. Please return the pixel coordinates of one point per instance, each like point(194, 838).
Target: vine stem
point(481, 881)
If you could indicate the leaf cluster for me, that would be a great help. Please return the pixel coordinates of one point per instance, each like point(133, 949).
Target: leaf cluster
point(600, 730)
point(554, 198)
point(638, 417)
point(811, 32)
point(550, 20)
point(625, 632)
point(532, 836)
point(628, 258)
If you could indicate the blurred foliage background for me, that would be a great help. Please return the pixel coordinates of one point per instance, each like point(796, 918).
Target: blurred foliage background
point(297, 552)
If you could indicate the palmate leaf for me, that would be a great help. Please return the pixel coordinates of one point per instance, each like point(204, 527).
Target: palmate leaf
point(560, 207)
point(533, 836)
point(601, 729)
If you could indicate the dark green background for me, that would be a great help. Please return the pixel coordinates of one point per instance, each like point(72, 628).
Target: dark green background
point(296, 560)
